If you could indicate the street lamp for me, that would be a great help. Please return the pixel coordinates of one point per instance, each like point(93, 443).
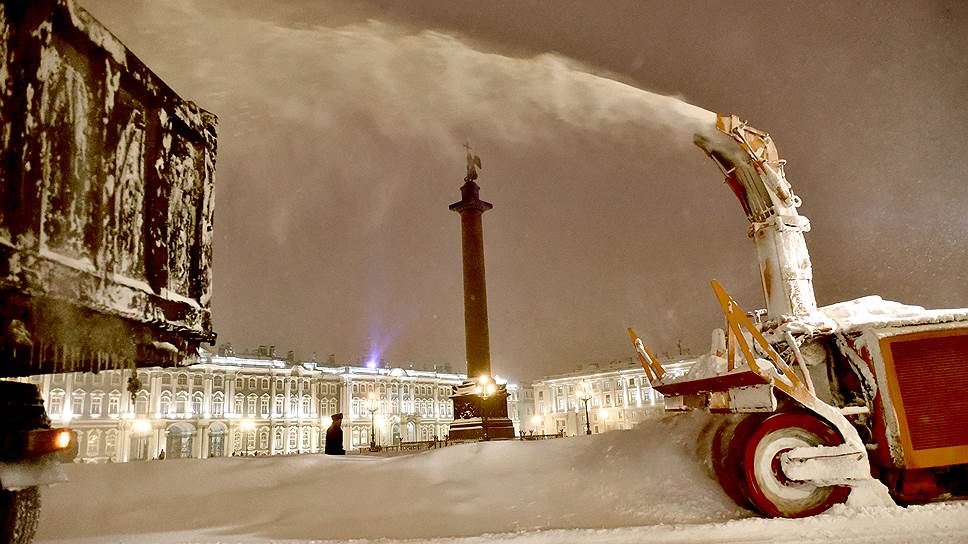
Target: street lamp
point(485, 388)
point(372, 407)
point(141, 428)
point(586, 396)
point(246, 425)
point(535, 421)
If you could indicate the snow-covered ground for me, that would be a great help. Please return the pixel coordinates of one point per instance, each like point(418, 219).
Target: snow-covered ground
point(645, 485)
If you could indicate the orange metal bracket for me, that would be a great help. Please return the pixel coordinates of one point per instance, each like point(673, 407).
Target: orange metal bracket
point(736, 321)
point(653, 370)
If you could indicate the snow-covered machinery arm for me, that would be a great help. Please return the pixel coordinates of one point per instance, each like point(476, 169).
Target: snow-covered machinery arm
point(754, 172)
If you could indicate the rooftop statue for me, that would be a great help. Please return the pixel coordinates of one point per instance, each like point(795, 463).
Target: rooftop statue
point(473, 163)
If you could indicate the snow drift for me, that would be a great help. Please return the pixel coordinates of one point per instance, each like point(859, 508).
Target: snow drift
point(645, 485)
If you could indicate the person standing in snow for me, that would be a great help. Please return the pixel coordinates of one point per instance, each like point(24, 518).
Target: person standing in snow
point(334, 437)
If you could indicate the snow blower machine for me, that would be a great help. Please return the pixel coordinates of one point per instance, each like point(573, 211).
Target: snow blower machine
point(861, 401)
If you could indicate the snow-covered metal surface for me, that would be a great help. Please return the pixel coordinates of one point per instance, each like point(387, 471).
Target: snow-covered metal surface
point(106, 206)
point(754, 171)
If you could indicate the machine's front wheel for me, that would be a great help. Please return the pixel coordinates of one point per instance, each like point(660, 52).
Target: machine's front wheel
point(770, 492)
point(19, 513)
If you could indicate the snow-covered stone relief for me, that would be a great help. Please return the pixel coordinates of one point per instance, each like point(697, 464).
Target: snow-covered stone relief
point(107, 190)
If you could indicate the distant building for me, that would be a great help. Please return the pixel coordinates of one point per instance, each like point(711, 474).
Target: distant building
point(252, 404)
point(619, 391)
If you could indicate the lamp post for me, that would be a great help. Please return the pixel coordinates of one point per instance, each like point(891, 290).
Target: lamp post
point(246, 426)
point(372, 407)
point(485, 388)
point(535, 421)
point(586, 396)
point(141, 428)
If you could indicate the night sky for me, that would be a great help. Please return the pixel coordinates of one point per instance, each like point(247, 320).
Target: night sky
point(341, 138)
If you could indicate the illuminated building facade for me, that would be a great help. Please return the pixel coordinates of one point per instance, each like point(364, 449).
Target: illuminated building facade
point(229, 405)
point(619, 396)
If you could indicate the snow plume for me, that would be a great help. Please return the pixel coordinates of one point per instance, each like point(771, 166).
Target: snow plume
point(425, 85)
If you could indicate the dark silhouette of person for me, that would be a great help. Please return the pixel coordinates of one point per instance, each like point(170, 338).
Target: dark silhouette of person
point(334, 437)
point(161, 455)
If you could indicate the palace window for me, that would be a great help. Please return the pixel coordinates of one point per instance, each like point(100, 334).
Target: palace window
point(111, 443)
point(97, 403)
point(56, 401)
point(182, 380)
point(197, 399)
point(166, 379)
point(93, 443)
point(114, 403)
point(140, 404)
point(77, 404)
point(264, 405)
point(218, 402)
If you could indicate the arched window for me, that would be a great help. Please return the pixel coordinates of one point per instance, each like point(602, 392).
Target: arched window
point(217, 381)
point(278, 439)
point(166, 379)
point(277, 406)
point(197, 380)
point(355, 440)
point(181, 403)
point(263, 438)
point(306, 439)
point(197, 399)
point(93, 443)
point(182, 380)
point(264, 405)
point(251, 405)
point(293, 438)
point(111, 443)
point(293, 405)
point(306, 406)
point(218, 404)
point(165, 405)
point(140, 403)
point(239, 401)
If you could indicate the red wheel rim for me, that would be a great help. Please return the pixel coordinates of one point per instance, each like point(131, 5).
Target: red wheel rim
point(806, 425)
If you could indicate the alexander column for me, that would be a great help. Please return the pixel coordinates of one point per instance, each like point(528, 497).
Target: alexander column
point(480, 404)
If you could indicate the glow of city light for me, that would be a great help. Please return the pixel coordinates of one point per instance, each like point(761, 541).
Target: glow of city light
point(141, 426)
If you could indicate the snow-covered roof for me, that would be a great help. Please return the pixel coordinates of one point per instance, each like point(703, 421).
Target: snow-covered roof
point(874, 312)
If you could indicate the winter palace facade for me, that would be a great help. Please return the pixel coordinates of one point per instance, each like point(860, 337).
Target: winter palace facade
point(228, 405)
point(247, 405)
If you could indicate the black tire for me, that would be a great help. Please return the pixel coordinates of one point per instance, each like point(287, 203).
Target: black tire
point(727, 456)
point(20, 511)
